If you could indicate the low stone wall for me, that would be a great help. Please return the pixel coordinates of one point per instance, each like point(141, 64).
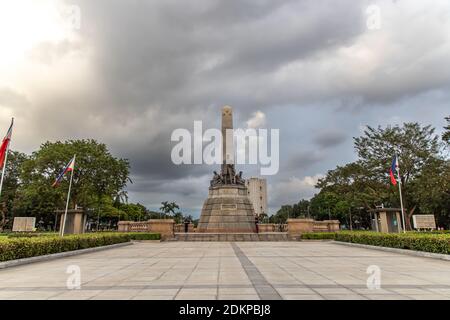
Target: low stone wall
point(271, 227)
point(326, 226)
point(180, 227)
point(266, 227)
point(165, 227)
point(298, 226)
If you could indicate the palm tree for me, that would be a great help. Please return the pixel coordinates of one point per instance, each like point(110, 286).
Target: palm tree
point(168, 208)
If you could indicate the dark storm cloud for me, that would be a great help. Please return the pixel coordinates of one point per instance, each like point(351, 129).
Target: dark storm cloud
point(160, 54)
point(329, 139)
point(303, 160)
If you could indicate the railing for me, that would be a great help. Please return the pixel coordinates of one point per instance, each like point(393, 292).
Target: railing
point(165, 227)
point(139, 226)
point(134, 226)
point(272, 227)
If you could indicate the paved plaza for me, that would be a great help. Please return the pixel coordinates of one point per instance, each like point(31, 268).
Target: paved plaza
point(232, 271)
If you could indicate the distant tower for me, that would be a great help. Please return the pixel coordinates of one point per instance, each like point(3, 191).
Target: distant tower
point(257, 192)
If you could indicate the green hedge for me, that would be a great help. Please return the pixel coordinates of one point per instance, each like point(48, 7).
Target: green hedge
point(436, 243)
point(144, 236)
point(25, 247)
point(318, 236)
point(428, 242)
point(30, 234)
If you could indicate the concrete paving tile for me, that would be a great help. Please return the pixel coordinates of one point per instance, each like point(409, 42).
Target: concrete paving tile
point(428, 297)
point(10, 294)
point(295, 291)
point(37, 295)
point(151, 297)
point(367, 291)
point(441, 291)
point(238, 297)
point(202, 291)
point(411, 291)
point(334, 291)
point(237, 291)
point(76, 295)
point(344, 297)
point(195, 297)
point(386, 297)
point(158, 292)
point(302, 297)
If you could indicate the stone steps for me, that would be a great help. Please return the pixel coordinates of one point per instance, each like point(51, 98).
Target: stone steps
point(275, 236)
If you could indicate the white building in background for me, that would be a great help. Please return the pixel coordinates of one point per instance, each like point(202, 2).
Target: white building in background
point(257, 192)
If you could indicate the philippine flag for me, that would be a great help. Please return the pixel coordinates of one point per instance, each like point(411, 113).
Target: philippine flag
point(393, 170)
point(69, 167)
point(5, 144)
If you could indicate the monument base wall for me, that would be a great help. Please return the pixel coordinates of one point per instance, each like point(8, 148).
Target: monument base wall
point(298, 226)
point(227, 210)
point(165, 227)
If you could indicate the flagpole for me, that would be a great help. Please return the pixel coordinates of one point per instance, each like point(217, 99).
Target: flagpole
point(3, 170)
point(401, 198)
point(68, 198)
point(6, 160)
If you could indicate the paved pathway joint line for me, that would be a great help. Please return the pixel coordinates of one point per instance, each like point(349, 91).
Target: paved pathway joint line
point(263, 288)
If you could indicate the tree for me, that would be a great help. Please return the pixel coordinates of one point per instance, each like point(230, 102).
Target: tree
point(281, 216)
point(446, 134)
point(11, 184)
point(415, 145)
point(97, 175)
point(301, 209)
point(357, 187)
point(168, 208)
point(323, 204)
point(132, 211)
point(432, 190)
point(355, 183)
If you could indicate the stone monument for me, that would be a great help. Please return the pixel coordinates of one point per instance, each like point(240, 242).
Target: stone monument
point(75, 221)
point(227, 208)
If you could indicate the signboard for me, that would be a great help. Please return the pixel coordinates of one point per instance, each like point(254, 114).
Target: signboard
point(424, 221)
point(24, 224)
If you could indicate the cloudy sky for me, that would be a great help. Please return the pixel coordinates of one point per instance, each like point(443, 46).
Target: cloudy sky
point(129, 72)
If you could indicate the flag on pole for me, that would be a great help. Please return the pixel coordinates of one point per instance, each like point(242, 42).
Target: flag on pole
point(393, 170)
point(5, 144)
point(69, 167)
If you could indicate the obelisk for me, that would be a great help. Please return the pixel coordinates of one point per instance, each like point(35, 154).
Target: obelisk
point(227, 208)
point(227, 136)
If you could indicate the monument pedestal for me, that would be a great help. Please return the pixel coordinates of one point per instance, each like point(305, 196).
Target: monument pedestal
point(227, 210)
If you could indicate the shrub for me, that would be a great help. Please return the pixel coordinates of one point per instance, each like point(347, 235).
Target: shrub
point(25, 247)
point(144, 236)
point(318, 236)
point(30, 234)
point(435, 243)
point(428, 242)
